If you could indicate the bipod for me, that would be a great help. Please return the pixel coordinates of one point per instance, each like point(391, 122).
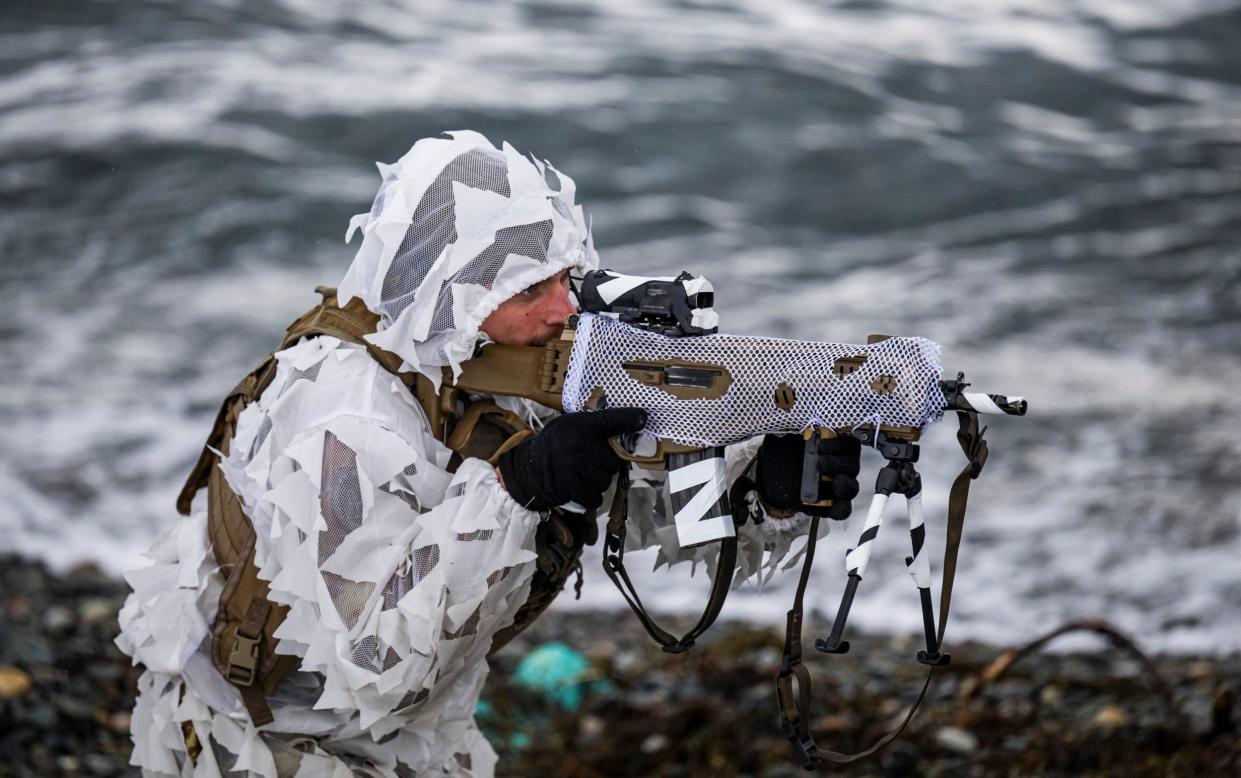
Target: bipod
point(898, 476)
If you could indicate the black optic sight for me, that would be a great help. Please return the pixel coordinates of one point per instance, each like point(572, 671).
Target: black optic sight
point(656, 305)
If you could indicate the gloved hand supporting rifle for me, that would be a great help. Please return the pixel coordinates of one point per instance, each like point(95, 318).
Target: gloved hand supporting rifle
point(834, 466)
point(569, 460)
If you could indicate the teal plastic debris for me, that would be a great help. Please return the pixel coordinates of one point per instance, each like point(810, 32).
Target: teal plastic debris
point(486, 717)
point(558, 671)
point(554, 671)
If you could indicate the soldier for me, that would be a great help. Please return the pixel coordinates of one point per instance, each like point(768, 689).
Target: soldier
point(328, 604)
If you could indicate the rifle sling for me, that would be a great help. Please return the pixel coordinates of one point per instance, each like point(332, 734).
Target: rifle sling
point(795, 710)
point(614, 566)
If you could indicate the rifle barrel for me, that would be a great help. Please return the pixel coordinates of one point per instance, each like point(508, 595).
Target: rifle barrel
point(957, 399)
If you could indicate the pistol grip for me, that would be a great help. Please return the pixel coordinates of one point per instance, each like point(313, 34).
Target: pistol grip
point(811, 480)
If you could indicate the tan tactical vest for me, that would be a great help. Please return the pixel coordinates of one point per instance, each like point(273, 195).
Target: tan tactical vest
point(242, 642)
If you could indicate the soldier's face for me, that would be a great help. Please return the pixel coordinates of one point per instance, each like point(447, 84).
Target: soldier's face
point(534, 316)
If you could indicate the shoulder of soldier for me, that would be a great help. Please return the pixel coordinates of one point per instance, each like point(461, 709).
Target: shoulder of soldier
point(329, 377)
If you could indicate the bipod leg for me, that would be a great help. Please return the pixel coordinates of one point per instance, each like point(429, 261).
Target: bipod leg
point(833, 644)
point(919, 566)
point(857, 558)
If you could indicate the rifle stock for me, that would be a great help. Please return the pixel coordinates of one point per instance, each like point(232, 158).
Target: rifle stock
point(537, 373)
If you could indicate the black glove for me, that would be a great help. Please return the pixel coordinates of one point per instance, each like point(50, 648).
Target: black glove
point(779, 473)
point(569, 460)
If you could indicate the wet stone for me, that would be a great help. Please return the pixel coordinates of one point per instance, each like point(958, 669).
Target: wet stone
point(58, 620)
point(1051, 696)
point(22, 643)
point(119, 722)
point(98, 764)
point(13, 683)
point(97, 610)
point(1111, 716)
point(77, 709)
point(710, 711)
point(900, 760)
point(591, 726)
point(105, 672)
point(1015, 743)
point(625, 662)
point(41, 717)
point(956, 739)
point(654, 743)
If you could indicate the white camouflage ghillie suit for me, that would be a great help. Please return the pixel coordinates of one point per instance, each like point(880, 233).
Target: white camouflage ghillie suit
point(398, 574)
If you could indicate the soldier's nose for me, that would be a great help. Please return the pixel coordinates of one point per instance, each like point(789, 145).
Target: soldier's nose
point(559, 307)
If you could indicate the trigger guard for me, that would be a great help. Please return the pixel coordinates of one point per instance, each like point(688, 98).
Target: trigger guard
point(617, 442)
point(629, 442)
point(631, 445)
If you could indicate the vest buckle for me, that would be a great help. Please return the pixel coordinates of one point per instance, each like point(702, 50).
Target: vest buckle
point(243, 660)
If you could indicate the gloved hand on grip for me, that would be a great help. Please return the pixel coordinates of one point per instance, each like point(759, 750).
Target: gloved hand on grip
point(779, 474)
point(569, 460)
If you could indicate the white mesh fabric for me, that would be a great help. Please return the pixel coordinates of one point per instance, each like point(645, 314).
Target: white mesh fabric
point(757, 365)
point(457, 228)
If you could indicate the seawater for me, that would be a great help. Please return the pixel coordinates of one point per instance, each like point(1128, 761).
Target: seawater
point(1051, 190)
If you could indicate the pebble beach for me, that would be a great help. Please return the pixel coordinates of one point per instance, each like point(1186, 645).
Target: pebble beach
point(616, 705)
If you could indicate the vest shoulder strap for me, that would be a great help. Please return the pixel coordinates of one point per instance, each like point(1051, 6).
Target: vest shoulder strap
point(351, 323)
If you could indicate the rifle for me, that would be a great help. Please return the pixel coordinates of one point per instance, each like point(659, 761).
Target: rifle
point(652, 343)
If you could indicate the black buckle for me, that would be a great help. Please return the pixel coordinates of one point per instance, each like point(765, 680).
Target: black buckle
point(937, 659)
point(614, 542)
point(806, 750)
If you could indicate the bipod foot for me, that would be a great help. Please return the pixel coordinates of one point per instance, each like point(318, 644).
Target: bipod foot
point(936, 659)
point(932, 655)
point(831, 646)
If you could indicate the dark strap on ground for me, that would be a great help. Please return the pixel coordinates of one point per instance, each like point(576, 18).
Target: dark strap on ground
point(614, 566)
point(795, 709)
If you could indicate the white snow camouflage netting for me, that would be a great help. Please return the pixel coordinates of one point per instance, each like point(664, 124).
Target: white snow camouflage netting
point(757, 365)
point(397, 573)
point(457, 228)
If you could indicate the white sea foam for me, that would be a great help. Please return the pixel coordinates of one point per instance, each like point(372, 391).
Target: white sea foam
point(1086, 259)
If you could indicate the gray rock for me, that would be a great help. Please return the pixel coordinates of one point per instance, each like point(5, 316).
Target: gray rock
point(24, 645)
point(58, 619)
point(42, 717)
point(74, 708)
point(1051, 696)
point(99, 764)
point(97, 609)
point(654, 743)
point(68, 764)
point(956, 740)
point(626, 662)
